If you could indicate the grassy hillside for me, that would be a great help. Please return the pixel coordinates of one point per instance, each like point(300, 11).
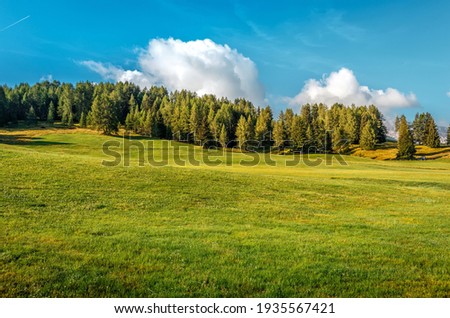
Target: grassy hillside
point(388, 151)
point(72, 227)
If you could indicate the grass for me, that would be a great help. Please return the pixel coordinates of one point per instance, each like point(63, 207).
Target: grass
point(71, 227)
point(388, 151)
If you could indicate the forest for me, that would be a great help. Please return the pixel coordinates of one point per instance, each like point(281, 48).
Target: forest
point(185, 116)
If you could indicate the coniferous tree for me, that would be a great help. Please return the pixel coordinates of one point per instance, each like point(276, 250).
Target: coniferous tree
point(51, 113)
point(279, 131)
point(83, 120)
point(368, 138)
point(194, 121)
point(397, 123)
point(251, 128)
point(223, 138)
point(89, 121)
point(148, 123)
point(104, 115)
point(214, 129)
point(431, 138)
point(242, 131)
point(298, 132)
point(448, 135)
point(184, 118)
point(405, 145)
point(263, 124)
point(340, 141)
point(31, 117)
point(419, 127)
point(3, 107)
point(83, 95)
point(145, 104)
point(288, 122)
point(65, 106)
point(351, 127)
point(70, 120)
point(374, 115)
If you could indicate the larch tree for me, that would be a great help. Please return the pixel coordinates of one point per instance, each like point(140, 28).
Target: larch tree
point(83, 120)
point(368, 138)
point(279, 131)
point(3, 107)
point(405, 145)
point(448, 135)
point(66, 102)
point(223, 138)
point(298, 132)
point(340, 142)
point(104, 115)
point(31, 117)
point(432, 138)
point(51, 113)
point(242, 131)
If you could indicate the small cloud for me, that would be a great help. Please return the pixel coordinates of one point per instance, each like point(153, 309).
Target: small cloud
point(48, 78)
point(334, 21)
point(343, 87)
point(201, 66)
point(448, 94)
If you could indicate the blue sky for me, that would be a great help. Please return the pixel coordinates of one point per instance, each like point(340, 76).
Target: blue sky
point(404, 45)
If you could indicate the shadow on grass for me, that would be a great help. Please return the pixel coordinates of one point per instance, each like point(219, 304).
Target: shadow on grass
point(24, 140)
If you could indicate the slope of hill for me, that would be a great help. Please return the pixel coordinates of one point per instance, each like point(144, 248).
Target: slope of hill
point(388, 151)
point(72, 227)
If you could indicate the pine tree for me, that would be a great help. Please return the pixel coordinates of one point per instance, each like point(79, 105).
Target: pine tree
point(132, 103)
point(129, 121)
point(89, 122)
point(263, 124)
point(148, 124)
point(3, 107)
point(66, 103)
point(251, 128)
point(279, 131)
point(223, 139)
point(70, 120)
point(340, 142)
point(242, 131)
point(194, 121)
point(184, 119)
point(351, 127)
point(431, 138)
point(212, 124)
point(51, 113)
point(380, 129)
point(298, 132)
point(419, 127)
point(448, 136)
point(368, 138)
point(261, 128)
point(145, 104)
point(406, 149)
point(31, 117)
point(288, 123)
point(83, 120)
point(397, 123)
point(104, 114)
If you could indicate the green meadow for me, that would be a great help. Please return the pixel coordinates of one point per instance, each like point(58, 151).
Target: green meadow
point(72, 227)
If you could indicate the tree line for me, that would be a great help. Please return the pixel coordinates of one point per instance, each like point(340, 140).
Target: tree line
point(183, 115)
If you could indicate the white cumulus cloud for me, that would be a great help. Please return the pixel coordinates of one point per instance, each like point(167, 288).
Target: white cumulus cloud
point(202, 66)
point(343, 87)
